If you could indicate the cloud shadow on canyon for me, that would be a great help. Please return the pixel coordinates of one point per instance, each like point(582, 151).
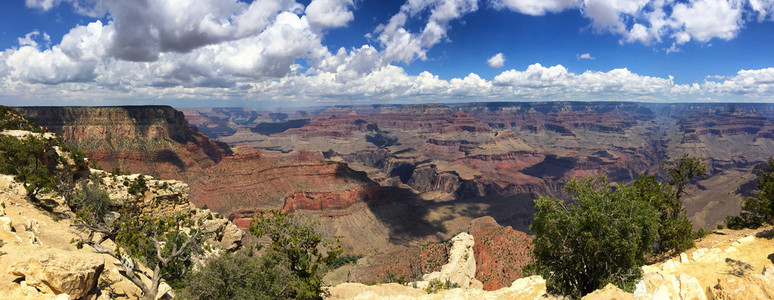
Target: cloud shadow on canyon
point(405, 214)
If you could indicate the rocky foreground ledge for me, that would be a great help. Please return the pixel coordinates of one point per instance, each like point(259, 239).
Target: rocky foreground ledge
point(39, 261)
point(726, 264)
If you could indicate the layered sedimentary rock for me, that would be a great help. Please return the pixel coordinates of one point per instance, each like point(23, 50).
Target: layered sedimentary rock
point(485, 150)
point(142, 139)
point(157, 140)
point(498, 254)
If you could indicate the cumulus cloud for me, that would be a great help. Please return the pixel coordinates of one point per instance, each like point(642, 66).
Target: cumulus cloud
point(497, 61)
point(653, 21)
point(50, 66)
point(401, 45)
point(757, 83)
point(330, 13)
point(556, 81)
point(229, 49)
point(186, 42)
point(706, 19)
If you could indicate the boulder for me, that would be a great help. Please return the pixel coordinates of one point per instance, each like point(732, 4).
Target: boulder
point(752, 286)
point(663, 285)
point(61, 272)
point(232, 237)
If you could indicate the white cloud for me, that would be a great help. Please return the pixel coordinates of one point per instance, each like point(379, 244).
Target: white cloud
point(330, 13)
point(228, 49)
point(497, 61)
point(707, 19)
point(42, 4)
point(557, 82)
point(401, 45)
point(536, 7)
point(653, 21)
point(50, 66)
point(28, 40)
point(756, 83)
point(764, 8)
point(608, 15)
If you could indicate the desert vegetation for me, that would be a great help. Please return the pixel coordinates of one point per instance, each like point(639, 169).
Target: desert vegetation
point(758, 209)
point(606, 232)
point(160, 246)
point(291, 268)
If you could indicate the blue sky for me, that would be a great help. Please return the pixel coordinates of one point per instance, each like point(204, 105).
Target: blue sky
point(318, 52)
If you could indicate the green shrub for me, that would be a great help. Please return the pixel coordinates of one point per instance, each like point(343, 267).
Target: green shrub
point(758, 209)
point(436, 285)
point(299, 247)
point(675, 231)
point(344, 260)
point(601, 237)
point(90, 202)
point(242, 275)
point(138, 186)
point(26, 160)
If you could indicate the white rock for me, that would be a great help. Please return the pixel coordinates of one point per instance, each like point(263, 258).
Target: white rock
point(62, 297)
point(690, 288)
point(695, 255)
point(461, 268)
point(684, 258)
point(661, 293)
point(6, 224)
point(747, 239)
point(165, 292)
point(669, 266)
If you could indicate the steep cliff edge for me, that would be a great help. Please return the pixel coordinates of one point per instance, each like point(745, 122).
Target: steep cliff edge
point(141, 139)
point(157, 140)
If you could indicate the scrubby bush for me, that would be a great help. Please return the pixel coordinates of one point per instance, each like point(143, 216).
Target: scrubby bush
point(164, 243)
point(297, 246)
point(758, 209)
point(437, 285)
point(25, 159)
point(675, 231)
point(90, 202)
point(138, 186)
point(243, 275)
point(291, 268)
point(601, 237)
point(344, 260)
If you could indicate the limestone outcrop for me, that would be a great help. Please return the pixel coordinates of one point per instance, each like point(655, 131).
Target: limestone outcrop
point(461, 268)
point(751, 286)
point(61, 272)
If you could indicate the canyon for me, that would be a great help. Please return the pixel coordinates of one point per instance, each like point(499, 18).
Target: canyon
point(389, 180)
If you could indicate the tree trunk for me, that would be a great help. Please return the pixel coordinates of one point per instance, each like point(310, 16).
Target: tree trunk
point(154, 288)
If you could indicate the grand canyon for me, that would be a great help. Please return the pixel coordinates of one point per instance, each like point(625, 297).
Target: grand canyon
point(411, 149)
point(388, 180)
